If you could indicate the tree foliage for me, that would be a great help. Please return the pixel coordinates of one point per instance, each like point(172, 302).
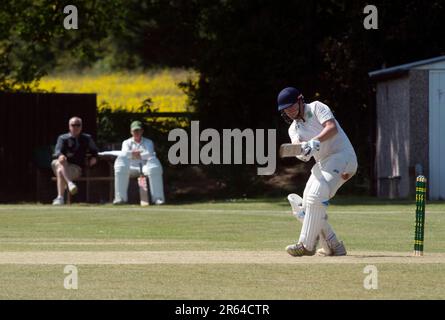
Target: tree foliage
point(33, 40)
point(244, 51)
point(253, 49)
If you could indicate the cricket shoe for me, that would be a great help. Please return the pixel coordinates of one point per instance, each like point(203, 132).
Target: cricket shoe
point(298, 250)
point(58, 201)
point(72, 188)
point(338, 250)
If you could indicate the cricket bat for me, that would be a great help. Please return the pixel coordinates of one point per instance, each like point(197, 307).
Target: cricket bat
point(290, 150)
point(144, 192)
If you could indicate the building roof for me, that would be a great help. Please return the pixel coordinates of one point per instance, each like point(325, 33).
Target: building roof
point(403, 68)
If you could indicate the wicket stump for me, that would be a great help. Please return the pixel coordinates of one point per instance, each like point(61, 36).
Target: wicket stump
point(420, 215)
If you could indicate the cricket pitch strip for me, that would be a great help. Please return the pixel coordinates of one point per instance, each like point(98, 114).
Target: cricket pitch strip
point(207, 257)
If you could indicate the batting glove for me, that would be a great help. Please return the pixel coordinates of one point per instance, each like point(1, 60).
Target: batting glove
point(304, 158)
point(311, 147)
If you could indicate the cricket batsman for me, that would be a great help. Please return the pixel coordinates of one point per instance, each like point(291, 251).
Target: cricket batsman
point(314, 127)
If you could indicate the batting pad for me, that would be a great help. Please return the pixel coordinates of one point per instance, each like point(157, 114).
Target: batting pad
point(324, 244)
point(296, 202)
point(316, 194)
point(312, 225)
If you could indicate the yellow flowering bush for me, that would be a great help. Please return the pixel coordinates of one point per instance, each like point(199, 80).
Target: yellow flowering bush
point(127, 91)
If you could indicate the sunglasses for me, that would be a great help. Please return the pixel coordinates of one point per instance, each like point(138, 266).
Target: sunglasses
point(76, 125)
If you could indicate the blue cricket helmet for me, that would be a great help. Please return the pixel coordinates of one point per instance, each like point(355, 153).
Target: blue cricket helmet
point(287, 97)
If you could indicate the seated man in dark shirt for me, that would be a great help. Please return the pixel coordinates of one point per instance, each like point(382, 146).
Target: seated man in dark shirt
point(71, 150)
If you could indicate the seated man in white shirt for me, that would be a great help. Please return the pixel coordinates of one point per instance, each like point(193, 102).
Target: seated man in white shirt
point(137, 150)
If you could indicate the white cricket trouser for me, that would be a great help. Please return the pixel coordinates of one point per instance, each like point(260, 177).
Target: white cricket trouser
point(123, 170)
point(322, 185)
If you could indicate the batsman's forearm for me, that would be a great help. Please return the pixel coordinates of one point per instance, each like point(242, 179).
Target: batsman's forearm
point(328, 132)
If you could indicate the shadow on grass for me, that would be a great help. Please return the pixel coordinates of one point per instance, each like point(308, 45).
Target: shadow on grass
point(281, 201)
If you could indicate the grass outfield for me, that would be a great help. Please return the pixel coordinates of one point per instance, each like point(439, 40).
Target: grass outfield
point(220, 250)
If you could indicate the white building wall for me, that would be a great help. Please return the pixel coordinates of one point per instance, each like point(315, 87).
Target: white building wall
point(437, 135)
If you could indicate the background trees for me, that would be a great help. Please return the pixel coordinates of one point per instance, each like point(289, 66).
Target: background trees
point(244, 51)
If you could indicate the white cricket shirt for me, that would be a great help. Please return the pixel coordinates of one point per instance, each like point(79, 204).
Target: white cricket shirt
point(146, 147)
point(315, 114)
